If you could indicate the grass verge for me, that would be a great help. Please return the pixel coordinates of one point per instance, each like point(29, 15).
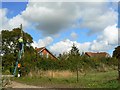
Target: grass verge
point(90, 80)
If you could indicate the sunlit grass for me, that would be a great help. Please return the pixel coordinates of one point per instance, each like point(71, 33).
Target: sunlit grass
point(90, 80)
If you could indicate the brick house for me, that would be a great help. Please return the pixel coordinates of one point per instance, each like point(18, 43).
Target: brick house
point(44, 52)
point(97, 54)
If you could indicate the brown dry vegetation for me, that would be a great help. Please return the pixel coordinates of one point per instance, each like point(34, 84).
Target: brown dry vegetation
point(51, 73)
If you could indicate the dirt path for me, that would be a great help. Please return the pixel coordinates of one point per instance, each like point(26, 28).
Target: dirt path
point(20, 85)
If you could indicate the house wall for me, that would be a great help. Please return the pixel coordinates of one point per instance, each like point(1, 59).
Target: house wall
point(47, 54)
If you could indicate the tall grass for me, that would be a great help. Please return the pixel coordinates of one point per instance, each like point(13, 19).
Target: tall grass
point(89, 80)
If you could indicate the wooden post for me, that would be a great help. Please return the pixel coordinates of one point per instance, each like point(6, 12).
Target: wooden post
point(21, 30)
point(52, 74)
point(77, 73)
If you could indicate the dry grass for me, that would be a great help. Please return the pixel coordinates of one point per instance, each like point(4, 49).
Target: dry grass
point(50, 73)
point(90, 80)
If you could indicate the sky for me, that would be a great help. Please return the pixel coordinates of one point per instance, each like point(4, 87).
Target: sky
point(91, 26)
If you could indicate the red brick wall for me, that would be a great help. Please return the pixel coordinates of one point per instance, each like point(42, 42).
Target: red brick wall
point(45, 54)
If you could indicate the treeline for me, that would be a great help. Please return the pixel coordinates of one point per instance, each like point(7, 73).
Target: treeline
point(32, 61)
point(72, 61)
point(81, 63)
point(72, 64)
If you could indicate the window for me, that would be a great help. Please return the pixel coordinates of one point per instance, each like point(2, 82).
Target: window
point(47, 55)
point(41, 54)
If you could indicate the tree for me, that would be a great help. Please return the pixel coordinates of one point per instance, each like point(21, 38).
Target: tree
point(116, 53)
point(74, 55)
point(74, 51)
point(10, 46)
point(10, 40)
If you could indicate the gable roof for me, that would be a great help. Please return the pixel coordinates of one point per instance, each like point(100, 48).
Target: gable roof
point(98, 54)
point(43, 48)
point(39, 49)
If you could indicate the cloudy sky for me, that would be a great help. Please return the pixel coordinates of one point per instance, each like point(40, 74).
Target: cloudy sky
point(92, 26)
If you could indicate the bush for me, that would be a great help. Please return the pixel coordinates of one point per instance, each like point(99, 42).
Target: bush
point(30, 62)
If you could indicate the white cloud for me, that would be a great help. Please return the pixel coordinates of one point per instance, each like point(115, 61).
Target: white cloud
point(16, 21)
point(42, 42)
point(84, 46)
point(61, 47)
point(51, 18)
point(104, 42)
point(9, 24)
point(65, 46)
point(3, 13)
point(110, 34)
point(96, 18)
point(3, 18)
point(99, 46)
point(107, 40)
point(74, 35)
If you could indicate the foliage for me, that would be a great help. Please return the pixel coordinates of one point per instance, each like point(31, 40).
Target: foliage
point(8, 62)
point(10, 47)
point(31, 60)
point(10, 40)
point(116, 52)
point(74, 51)
point(75, 62)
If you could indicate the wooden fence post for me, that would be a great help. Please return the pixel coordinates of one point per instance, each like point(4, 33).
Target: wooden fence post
point(77, 73)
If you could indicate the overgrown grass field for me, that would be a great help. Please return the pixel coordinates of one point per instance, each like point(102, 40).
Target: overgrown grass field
point(89, 80)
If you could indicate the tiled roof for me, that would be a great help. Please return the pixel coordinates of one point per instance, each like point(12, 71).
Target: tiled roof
point(98, 54)
point(39, 49)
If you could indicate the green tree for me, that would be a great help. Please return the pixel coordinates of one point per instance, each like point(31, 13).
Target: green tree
point(10, 46)
point(10, 40)
point(116, 53)
point(74, 58)
point(74, 51)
